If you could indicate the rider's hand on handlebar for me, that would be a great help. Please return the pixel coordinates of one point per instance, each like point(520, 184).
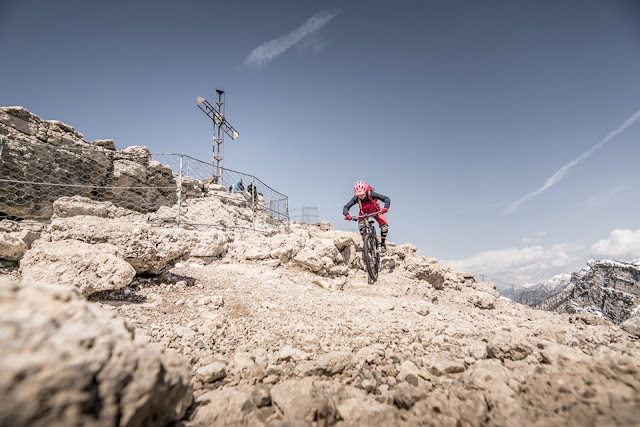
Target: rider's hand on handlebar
point(347, 217)
point(384, 210)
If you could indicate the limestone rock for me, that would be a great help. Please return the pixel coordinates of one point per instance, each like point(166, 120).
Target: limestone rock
point(363, 409)
point(71, 363)
point(77, 205)
point(16, 239)
point(206, 244)
point(149, 250)
point(632, 326)
point(407, 395)
point(227, 407)
point(494, 382)
point(88, 268)
point(212, 372)
point(54, 155)
point(108, 144)
point(421, 270)
point(304, 401)
point(318, 256)
point(284, 330)
point(288, 353)
point(328, 364)
point(443, 366)
point(509, 346)
point(483, 301)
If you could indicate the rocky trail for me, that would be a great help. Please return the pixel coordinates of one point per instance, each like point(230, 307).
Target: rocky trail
point(283, 329)
point(397, 352)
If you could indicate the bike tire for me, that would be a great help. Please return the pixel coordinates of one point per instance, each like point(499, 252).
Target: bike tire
point(370, 256)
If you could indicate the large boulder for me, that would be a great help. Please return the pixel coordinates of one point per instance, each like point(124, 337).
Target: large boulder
point(88, 268)
point(427, 269)
point(68, 362)
point(140, 183)
point(226, 407)
point(632, 326)
point(65, 207)
point(149, 250)
point(309, 401)
point(16, 239)
point(318, 256)
point(509, 346)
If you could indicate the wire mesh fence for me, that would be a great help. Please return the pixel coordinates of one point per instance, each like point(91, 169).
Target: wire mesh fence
point(305, 215)
point(198, 177)
point(34, 175)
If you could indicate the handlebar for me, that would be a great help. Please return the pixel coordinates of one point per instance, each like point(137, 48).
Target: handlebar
point(371, 215)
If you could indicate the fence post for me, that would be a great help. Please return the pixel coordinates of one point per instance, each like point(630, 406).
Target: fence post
point(180, 190)
point(253, 202)
point(286, 209)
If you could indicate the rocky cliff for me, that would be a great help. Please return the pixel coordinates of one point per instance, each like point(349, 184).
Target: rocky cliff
point(608, 289)
point(43, 160)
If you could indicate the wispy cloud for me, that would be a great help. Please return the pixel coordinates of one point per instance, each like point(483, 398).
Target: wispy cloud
point(269, 50)
point(556, 177)
point(534, 237)
point(602, 198)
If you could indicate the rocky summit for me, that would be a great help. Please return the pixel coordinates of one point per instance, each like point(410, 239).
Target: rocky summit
point(112, 317)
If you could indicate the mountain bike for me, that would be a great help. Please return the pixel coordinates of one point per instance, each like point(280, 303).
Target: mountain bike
point(370, 245)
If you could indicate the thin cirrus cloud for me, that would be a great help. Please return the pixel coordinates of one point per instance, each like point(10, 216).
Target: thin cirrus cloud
point(534, 237)
point(556, 177)
point(602, 198)
point(269, 50)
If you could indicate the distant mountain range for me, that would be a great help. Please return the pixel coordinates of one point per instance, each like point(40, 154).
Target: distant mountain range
point(605, 288)
point(536, 293)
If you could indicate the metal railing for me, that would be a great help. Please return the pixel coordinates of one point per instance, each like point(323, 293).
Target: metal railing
point(195, 177)
point(305, 215)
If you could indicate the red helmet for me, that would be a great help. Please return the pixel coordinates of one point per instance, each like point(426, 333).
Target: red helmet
point(360, 188)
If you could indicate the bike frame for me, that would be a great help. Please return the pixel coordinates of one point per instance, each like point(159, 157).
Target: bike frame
point(371, 256)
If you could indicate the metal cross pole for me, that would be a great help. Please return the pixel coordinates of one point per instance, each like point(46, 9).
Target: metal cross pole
point(218, 135)
point(220, 127)
point(180, 191)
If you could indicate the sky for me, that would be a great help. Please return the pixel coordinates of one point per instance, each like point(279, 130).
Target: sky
point(506, 133)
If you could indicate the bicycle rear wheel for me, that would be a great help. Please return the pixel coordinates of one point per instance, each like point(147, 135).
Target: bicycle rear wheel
point(370, 255)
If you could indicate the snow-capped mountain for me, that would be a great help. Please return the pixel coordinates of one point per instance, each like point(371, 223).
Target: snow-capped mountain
point(605, 288)
point(536, 293)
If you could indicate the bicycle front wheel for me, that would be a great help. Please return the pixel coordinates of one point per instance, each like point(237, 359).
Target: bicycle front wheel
point(370, 255)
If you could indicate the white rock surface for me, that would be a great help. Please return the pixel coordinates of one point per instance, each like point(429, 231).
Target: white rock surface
point(88, 268)
point(68, 362)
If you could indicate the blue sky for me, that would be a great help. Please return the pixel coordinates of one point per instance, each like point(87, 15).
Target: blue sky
point(505, 132)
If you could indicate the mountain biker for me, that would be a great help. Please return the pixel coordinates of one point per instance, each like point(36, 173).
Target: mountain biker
point(369, 202)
